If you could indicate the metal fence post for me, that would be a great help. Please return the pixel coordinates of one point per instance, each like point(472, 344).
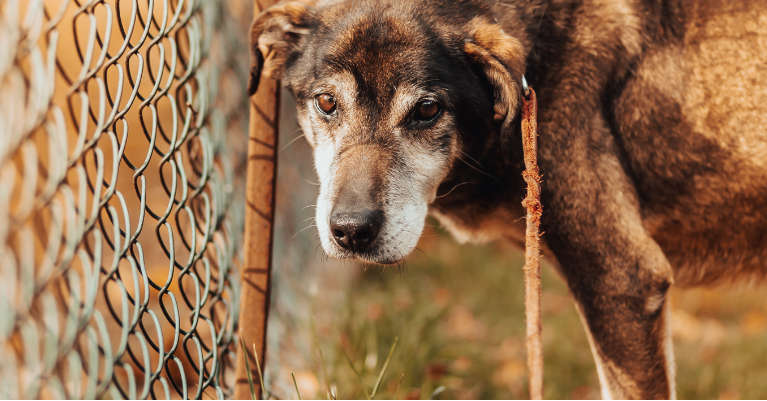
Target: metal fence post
point(259, 225)
point(117, 235)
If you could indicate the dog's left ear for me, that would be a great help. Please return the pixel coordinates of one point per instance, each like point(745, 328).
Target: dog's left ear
point(274, 34)
point(501, 57)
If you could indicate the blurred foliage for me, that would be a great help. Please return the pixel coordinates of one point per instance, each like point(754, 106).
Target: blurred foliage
point(458, 314)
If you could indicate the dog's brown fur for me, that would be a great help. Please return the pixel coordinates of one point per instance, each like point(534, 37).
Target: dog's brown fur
point(652, 138)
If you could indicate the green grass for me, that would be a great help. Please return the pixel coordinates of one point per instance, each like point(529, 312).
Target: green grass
point(456, 316)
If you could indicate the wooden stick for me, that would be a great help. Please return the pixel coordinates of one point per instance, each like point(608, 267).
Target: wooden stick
point(532, 203)
point(259, 225)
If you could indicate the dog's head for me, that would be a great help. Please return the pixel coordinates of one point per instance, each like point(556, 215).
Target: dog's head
point(388, 93)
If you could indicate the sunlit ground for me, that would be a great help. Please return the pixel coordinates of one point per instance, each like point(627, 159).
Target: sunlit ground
point(458, 314)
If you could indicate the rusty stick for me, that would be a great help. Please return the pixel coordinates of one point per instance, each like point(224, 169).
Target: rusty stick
point(259, 224)
point(532, 203)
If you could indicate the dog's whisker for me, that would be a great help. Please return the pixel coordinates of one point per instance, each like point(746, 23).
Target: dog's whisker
point(302, 230)
point(453, 189)
point(470, 157)
point(418, 249)
point(477, 169)
point(400, 266)
point(291, 142)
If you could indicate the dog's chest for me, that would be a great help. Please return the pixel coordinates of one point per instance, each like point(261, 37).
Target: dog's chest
point(474, 226)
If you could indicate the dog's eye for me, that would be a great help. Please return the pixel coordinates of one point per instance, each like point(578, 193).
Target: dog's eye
point(426, 110)
point(326, 103)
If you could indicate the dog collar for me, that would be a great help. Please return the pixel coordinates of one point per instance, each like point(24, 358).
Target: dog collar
point(525, 87)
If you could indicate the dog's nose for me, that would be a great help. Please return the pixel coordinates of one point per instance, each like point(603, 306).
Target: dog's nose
point(356, 231)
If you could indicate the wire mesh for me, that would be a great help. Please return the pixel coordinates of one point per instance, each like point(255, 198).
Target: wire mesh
point(119, 219)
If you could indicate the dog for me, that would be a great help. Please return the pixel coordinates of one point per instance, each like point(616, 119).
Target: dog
point(652, 142)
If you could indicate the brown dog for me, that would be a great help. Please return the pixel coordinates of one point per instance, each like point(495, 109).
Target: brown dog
point(652, 142)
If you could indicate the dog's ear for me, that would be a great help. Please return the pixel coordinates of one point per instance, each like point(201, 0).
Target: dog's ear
point(274, 34)
point(501, 58)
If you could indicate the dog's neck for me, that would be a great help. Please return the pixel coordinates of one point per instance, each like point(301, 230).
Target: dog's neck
point(486, 180)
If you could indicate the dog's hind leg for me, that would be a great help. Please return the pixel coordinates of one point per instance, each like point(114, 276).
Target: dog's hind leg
point(617, 273)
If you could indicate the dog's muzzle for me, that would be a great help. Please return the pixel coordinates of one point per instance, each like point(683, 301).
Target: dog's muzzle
point(368, 210)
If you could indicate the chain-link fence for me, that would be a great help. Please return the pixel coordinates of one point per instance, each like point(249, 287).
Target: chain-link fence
point(122, 135)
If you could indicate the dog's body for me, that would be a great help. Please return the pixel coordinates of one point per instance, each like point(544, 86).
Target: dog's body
point(653, 149)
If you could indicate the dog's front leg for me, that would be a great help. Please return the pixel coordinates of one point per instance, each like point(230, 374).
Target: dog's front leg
point(617, 273)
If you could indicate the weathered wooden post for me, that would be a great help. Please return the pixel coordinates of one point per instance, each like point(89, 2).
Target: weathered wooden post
point(259, 227)
point(532, 269)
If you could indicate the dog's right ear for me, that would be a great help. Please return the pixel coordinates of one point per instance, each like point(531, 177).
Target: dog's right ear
point(274, 34)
